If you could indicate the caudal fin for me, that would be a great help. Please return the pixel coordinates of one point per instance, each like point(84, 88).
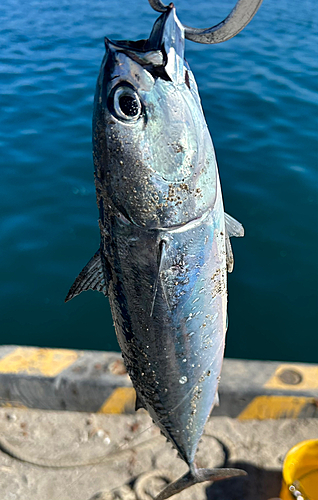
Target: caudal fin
point(195, 476)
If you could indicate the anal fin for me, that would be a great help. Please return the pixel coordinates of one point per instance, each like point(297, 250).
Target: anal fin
point(139, 403)
point(216, 401)
point(90, 278)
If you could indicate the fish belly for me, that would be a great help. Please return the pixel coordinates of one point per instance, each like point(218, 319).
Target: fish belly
point(168, 296)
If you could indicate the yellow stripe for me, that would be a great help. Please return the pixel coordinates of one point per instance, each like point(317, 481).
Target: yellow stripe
point(120, 401)
point(33, 361)
point(12, 404)
point(265, 407)
point(293, 377)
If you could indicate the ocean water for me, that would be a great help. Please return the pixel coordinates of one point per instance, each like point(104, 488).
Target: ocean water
point(259, 93)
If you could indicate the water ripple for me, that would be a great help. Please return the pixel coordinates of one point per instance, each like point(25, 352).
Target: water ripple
point(259, 93)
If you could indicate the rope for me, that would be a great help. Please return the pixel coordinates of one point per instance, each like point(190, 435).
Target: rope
point(146, 487)
point(15, 453)
point(150, 483)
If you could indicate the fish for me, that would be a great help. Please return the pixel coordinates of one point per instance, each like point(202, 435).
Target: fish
point(165, 246)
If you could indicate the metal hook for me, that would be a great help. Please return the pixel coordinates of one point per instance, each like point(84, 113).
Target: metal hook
point(159, 6)
point(242, 13)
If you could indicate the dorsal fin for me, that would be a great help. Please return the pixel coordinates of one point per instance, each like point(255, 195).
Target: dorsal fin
point(90, 278)
point(232, 228)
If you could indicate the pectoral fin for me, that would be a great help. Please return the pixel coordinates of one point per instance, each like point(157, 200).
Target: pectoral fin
point(161, 256)
point(232, 228)
point(90, 278)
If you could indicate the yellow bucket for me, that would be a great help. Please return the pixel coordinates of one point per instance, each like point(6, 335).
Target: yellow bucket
point(300, 472)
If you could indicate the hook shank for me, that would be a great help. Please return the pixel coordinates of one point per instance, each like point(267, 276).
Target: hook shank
point(242, 13)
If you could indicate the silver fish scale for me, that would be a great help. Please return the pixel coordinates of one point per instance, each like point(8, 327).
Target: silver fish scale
point(176, 326)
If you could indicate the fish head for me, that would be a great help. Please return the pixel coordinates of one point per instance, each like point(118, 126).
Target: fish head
point(154, 158)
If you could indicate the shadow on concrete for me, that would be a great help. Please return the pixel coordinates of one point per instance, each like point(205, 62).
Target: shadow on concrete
point(260, 484)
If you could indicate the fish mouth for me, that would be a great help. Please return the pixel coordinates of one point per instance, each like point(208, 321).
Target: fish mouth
point(153, 43)
point(162, 54)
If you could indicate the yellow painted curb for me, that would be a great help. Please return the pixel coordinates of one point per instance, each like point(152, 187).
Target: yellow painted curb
point(34, 361)
point(306, 378)
point(265, 407)
point(122, 400)
point(97, 381)
point(12, 404)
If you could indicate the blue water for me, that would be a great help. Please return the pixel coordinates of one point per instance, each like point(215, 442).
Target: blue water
point(259, 93)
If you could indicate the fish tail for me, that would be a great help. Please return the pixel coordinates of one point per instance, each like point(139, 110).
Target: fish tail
point(195, 476)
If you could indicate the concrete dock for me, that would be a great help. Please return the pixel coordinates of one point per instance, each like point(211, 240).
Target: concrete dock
point(110, 452)
point(116, 452)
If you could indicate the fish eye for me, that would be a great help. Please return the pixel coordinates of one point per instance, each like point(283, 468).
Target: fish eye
point(126, 104)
